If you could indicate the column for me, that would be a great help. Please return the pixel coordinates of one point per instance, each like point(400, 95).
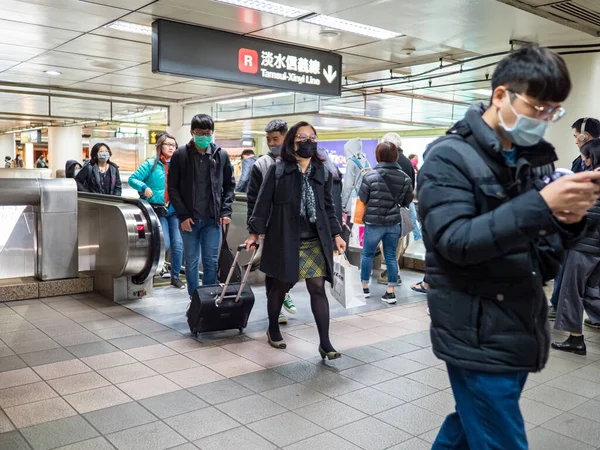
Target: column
point(64, 143)
point(7, 146)
point(585, 75)
point(180, 132)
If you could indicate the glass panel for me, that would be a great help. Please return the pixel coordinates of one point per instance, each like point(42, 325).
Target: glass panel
point(191, 110)
point(273, 104)
point(139, 113)
point(80, 108)
point(24, 104)
point(306, 103)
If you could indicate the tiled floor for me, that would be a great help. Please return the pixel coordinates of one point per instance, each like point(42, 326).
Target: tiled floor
point(82, 373)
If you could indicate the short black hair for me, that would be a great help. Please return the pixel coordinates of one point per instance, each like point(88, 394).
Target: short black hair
point(288, 148)
point(203, 122)
point(591, 149)
point(592, 126)
point(96, 148)
point(277, 125)
point(535, 71)
point(248, 152)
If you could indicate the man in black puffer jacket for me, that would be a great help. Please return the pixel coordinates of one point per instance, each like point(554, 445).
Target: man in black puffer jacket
point(494, 232)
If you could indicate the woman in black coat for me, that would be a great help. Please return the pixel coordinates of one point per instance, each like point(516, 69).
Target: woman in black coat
point(295, 213)
point(100, 176)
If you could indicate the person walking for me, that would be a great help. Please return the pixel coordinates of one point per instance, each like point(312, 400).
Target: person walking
point(7, 162)
point(384, 191)
point(294, 211)
point(151, 181)
point(201, 188)
point(248, 161)
point(41, 162)
point(494, 234)
point(100, 176)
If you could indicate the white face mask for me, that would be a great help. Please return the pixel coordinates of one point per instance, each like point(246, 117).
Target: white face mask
point(526, 131)
point(103, 156)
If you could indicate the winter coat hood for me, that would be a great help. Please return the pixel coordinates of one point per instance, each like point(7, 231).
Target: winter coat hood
point(353, 147)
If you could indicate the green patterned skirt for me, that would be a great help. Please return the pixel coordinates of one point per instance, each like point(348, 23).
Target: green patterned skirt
point(312, 260)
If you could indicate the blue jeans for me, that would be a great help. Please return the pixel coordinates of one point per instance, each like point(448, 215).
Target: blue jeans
point(374, 234)
point(205, 237)
point(415, 221)
point(487, 413)
point(172, 236)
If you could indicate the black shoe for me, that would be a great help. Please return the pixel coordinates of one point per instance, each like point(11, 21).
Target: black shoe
point(389, 297)
point(366, 292)
point(177, 283)
point(590, 324)
point(573, 344)
point(551, 313)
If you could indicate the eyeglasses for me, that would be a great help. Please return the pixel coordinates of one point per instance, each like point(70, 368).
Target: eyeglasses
point(305, 137)
point(170, 145)
point(202, 133)
point(543, 112)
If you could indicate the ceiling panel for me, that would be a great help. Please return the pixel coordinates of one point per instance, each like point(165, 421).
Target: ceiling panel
point(29, 69)
point(197, 89)
point(84, 62)
point(240, 87)
point(329, 6)
point(42, 79)
point(138, 19)
point(129, 81)
point(145, 70)
point(130, 5)
point(109, 47)
point(18, 52)
point(4, 65)
point(33, 35)
point(102, 88)
point(65, 14)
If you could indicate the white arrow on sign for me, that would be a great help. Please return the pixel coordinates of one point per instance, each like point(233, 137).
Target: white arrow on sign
point(330, 74)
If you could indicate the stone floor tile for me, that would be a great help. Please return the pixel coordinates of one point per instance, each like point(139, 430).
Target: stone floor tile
point(294, 396)
point(152, 436)
point(211, 355)
point(188, 378)
point(405, 389)
point(78, 383)
point(285, 429)
point(121, 417)
point(92, 349)
point(22, 336)
point(537, 413)
point(575, 427)
point(5, 351)
point(212, 422)
point(102, 324)
point(368, 354)
point(333, 385)
point(173, 404)
point(73, 339)
point(150, 352)
point(544, 376)
point(263, 380)
point(236, 438)
point(5, 423)
point(301, 371)
point(18, 377)
point(127, 372)
point(39, 412)
point(148, 387)
point(171, 364)
point(220, 391)
point(589, 373)
point(251, 409)
point(368, 374)
point(327, 441)
point(120, 331)
point(13, 440)
point(9, 363)
point(186, 345)
point(576, 385)
point(431, 435)
point(235, 367)
point(330, 414)
point(433, 377)
point(127, 343)
point(107, 360)
point(57, 331)
point(370, 401)
point(542, 439)
point(95, 399)
point(412, 419)
point(47, 357)
point(556, 398)
point(166, 336)
point(26, 393)
point(441, 403)
point(399, 365)
point(412, 444)
point(423, 356)
point(98, 443)
point(33, 346)
point(372, 434)
point(589, 410)
point(61, 369)
point(337, 365)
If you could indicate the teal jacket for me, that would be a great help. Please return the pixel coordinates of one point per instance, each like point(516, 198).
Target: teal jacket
point(155, 179)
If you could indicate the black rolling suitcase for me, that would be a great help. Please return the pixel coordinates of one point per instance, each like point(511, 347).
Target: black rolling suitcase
point(222, 307)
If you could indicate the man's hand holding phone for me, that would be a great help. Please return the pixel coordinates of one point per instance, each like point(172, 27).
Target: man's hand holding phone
point(571, 196)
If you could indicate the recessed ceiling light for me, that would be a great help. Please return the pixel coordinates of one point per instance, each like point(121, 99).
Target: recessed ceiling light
point(268, 7)
point(352, 27)
point(129, 27)
point(52, 72)
point(329, 33)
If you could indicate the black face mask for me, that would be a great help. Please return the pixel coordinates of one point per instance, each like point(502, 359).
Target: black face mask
point(306, 149)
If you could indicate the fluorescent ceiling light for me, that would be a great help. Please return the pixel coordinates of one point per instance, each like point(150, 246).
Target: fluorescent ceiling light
point(268, 7)
point(129, 27)
point(249, 99)
point(53, 72)
point(343, 109)
point(233, 100)
point(277, 95)
point(441, 119)
point(352, 27)
point(484, 92)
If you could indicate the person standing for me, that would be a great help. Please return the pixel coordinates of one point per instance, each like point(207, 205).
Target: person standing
point(201, 188)
point(248, 161)
point(384, 190)
point(492, 230)
point(7, 162)
point(41, 162)
point(151, 181)
point(18, 162)
point(72, 168)
point(275, 134)
point(294, 211)
point(100, 176)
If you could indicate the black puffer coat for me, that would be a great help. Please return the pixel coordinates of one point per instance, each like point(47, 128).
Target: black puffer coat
point(590, 242)
point(489, 240)
point(382, 205)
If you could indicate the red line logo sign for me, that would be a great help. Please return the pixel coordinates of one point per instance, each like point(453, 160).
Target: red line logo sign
point(248, 61)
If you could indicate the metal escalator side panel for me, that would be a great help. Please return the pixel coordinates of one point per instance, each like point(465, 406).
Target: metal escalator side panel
point(154, 234)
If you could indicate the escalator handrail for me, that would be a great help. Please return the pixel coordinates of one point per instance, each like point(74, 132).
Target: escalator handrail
point(154, 225)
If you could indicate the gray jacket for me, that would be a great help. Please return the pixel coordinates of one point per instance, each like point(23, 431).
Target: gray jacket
point(354, 173)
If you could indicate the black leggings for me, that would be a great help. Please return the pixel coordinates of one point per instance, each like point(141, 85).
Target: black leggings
point(318, 303)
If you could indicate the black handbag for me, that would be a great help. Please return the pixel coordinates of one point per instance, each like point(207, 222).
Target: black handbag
point(226, 260)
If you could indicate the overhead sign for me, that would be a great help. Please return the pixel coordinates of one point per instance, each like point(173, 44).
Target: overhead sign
point(31, 136)
point(153, 136)
point(192, 51)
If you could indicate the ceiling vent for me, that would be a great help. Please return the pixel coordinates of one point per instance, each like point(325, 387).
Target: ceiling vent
point(583, 15)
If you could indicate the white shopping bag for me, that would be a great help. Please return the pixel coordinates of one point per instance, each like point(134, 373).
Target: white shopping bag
point(346, 287)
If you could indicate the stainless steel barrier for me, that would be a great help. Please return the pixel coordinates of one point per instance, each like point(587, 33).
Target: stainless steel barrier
point(55, 224)
point(120, 244)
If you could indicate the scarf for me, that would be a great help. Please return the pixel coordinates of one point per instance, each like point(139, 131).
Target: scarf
point(308, 206)
point(166, 166)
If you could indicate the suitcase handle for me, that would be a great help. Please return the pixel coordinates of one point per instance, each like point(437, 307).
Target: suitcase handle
point(240, 248)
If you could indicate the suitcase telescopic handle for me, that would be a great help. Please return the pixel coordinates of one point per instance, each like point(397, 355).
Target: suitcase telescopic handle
point(240, 248)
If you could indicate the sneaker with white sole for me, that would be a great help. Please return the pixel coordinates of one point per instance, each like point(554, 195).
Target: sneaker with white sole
point(288, 304)
point(366, 292)
point(283, 320)
point(389, 297)
point(177, 283)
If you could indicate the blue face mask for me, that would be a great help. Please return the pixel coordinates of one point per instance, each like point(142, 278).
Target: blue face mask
point(526, 131)
point(76, 172)
point(202, 141)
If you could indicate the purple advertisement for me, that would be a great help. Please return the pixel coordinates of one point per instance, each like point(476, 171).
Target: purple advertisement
point(337, 155)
